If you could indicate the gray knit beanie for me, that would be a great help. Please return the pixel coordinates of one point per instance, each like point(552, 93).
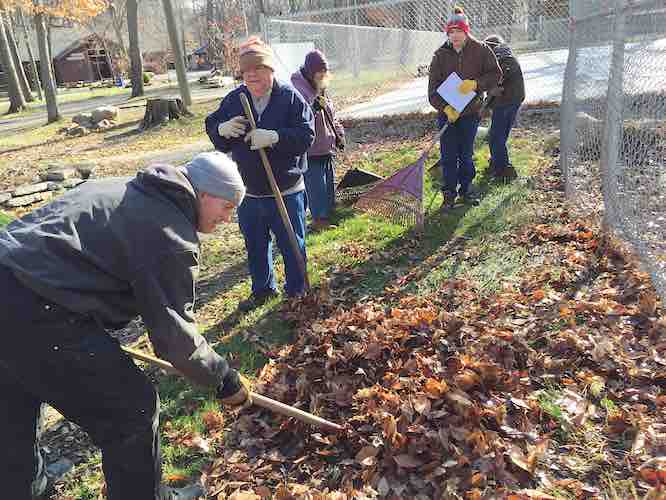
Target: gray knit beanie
point(216, 174)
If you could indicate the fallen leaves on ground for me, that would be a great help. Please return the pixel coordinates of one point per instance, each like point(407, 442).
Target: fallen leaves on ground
point(543, 387)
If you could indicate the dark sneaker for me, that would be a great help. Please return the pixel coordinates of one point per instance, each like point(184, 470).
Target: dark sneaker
point(470, 198)
point(256, 300)
point(448, 202)
point(192, 492)
point(508, 174)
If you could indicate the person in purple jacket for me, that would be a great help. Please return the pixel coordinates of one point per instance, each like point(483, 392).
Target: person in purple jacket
point(311, 81)
point(285, 130)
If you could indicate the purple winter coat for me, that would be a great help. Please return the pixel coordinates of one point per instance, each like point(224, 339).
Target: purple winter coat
point(324, 143)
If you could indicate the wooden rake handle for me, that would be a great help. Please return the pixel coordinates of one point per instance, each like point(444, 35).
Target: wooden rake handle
point(278, 195)
point(258, 399)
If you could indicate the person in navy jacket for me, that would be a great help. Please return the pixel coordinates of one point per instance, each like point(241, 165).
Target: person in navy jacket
point(285, 129)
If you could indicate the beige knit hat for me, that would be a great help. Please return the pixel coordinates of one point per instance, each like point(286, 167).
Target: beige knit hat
point(253, 53)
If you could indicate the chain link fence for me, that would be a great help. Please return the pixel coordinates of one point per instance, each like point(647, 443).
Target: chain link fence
point(614, 158)
point(385, 41)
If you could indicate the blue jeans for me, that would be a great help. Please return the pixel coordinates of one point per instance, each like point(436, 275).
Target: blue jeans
point(456, 148)
point(502, 122)
point(257, 218)
point(320, 186)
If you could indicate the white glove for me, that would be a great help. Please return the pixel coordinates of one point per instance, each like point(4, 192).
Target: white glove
point(233, 128)
point(261, 138)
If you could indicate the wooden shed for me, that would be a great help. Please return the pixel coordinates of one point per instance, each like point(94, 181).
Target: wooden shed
point(85, 60)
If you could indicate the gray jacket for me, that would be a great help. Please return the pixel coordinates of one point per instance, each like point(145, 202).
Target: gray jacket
point(116, 248)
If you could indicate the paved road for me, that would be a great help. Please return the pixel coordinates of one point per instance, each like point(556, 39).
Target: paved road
point(12, 125)
point(544, 76)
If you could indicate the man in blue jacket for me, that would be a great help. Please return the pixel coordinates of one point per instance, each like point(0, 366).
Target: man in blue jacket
point(93, 260)
point(285, 129)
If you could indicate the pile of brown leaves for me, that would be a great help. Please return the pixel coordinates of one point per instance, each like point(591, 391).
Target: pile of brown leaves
point(553, 384)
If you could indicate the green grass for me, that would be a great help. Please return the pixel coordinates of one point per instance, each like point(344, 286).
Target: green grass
point(4, 219)
point(345, 84)
point(73, 95)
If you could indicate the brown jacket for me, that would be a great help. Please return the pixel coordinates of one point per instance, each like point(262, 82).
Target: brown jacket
point(474, 62)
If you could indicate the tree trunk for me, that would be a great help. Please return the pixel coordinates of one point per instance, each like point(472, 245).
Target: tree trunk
point(20, 71)
point(172, 28)
point(33, 65)
point(16, 100)
point(117, 20)
point(45, 66)
point(49, 37)
point(161, 110)
point(136, 63)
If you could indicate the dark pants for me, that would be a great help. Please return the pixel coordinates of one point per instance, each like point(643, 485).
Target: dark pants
point(320, 186)
point(257, 218)
point(457, 151)
point(504, 117)
point(68, 361)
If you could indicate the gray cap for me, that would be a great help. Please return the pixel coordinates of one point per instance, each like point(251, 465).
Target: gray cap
point(216, 174)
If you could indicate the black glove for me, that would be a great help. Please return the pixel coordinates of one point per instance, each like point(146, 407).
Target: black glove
point(234, 389)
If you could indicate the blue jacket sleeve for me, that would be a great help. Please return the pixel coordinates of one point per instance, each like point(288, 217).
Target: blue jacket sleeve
point(297, 138)
point(213, 120)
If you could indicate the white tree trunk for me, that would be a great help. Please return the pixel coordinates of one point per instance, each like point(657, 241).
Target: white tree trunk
point(45, 68)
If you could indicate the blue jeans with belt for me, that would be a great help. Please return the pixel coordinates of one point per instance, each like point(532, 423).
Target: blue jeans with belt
point(258, 218)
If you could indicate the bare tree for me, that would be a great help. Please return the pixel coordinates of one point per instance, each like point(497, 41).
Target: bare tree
point(33, 64)
point(172, 27)
point(118, 13)
point(13, 47)
point(16, 99)
point(53, 114)
point(136, 62)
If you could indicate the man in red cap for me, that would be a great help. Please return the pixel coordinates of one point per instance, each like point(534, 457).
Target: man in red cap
point(476, 64)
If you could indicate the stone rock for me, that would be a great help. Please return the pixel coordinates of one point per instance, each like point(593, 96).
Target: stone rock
point(22, 201)
point(86, 169)
point(5, 197)
point(72, 183)
point(61, 174)
point(77, 131)
point(31, 188)
point(83, 119)
point(105, 113)
point(54, 186)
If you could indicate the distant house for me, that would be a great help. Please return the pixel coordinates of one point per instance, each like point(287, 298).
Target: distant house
point(84, 60)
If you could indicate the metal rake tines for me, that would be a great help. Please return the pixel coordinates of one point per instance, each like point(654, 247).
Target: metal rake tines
point(400, 208)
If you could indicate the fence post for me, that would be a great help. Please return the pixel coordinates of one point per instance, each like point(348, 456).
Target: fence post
point(613, 124)
point(568, 133)
point(263, 27)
